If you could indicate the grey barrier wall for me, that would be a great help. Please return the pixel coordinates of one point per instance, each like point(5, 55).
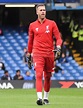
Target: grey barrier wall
point(31, 84)
point(81, 2)
point(17, 84)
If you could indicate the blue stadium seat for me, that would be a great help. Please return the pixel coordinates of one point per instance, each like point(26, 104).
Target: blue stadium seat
point(53, 78)
point(71, 78)
point(80, 78)
point(69, 58)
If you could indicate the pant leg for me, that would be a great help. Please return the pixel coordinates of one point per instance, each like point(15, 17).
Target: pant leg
point(48, 69)
point(47, 81)
point(39, 66)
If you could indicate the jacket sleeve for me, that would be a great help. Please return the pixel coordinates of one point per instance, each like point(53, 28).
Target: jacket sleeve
point(30, 39)
point(56, 34)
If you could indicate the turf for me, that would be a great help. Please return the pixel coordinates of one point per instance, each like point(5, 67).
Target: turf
point(26, 98)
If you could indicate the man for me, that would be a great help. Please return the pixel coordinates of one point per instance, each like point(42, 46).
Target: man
point(6, 76)
point(28, 76)
point(18, 75)
point(40, 44)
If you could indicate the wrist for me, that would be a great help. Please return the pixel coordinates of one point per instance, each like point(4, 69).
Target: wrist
point(59, 47)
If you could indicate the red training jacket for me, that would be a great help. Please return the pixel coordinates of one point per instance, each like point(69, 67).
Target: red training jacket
point(41, 37)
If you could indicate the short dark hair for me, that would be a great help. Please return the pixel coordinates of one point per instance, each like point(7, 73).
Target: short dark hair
point(6, 71)
point(39, 5)
point(17, 70)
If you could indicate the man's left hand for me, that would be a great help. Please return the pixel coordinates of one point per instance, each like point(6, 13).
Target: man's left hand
point(57, 52)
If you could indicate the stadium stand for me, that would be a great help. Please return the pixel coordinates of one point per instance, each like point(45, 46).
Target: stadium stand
point(77, 56)
point(12, 44)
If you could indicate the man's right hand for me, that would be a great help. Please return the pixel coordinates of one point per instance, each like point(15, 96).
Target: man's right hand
point(29, 60)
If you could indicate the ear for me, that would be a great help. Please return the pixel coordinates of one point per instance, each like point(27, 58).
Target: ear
point(36, 12)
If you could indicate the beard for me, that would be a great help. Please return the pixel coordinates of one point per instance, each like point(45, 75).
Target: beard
point(42, 17)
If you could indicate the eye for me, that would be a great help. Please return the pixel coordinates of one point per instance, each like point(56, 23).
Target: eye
point(42, 10)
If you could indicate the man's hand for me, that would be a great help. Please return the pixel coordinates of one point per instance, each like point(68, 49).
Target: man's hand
point(57, 52)
point(29, 60)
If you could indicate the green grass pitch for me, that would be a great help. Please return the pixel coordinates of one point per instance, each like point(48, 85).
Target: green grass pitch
point(26, 98)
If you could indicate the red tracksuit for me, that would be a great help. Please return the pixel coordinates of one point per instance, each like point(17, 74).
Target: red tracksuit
point(40, 43)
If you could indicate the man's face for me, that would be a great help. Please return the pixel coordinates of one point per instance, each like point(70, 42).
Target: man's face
point(18, 73)
point(7, 74)
point(28, 73)
point(41, 12)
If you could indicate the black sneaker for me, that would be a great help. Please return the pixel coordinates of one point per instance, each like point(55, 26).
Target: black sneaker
point(39, 102)
point(46, 101)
